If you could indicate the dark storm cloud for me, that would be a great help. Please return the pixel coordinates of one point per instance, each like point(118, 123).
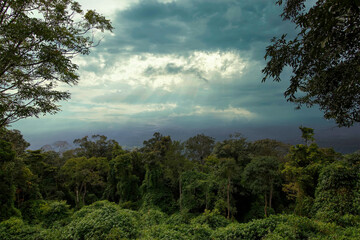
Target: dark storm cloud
point(180, 26)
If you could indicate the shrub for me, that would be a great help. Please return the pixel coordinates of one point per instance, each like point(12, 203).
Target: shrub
point(335, 194)
point(15, 229)
point(54, 212)
point(152, 217)
point(182, 231)
point(179, 218)
point(162, 232)
point(31, 211)
point(211, 218)
point(98, 220)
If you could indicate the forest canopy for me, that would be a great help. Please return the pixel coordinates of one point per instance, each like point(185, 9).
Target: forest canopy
point(196, 189)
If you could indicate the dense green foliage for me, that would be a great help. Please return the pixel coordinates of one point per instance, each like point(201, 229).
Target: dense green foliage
point(324, 57)
point(197, 189)
point(39, 39)
point(240, 190)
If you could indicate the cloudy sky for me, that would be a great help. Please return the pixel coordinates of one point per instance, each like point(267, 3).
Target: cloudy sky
point(183, 67)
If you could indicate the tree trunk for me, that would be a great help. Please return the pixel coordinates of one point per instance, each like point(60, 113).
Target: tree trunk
point(270, 195)
point(17, 194)
point(180, 192)
point(206, 199)
point(228, 198)
point(77, 196)
point(83, 198)
point(265, 208)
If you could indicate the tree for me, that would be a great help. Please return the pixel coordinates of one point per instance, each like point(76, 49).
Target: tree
point(38, 40)
point(175, 165)
point(269, 147)
point(126, 172)
point(127, 181)
point(302, 170)
point(98, 146)
point(155, 190)
point(157, 146)
point(82, 173)
point(45, 172)
point(16, 138)
point(307, 134)
point(194, 191)
point(7, 193)
point(228, 169)
point(260, 175)
point(199, 147)
point(324, 57)
point(236, 147)
point(336, 192)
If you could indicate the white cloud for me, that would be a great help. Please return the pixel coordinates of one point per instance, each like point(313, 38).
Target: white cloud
point(106, 7)
point(168, 71)
point(104, 86)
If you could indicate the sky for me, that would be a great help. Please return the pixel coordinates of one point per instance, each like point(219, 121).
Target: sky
point(181, 68)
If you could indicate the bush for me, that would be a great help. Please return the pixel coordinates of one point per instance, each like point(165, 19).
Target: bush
point(45, 212)
point(256, 211)
point(283, 227)
point(256, 229)
point(54, 212)
point(15, 229)
point(179, 218)
point(31, 211)
point(163, 231)
point(182, 231)
point(98, 220)
point(335, 194)
point(152, 217)
point(198, 231)
point(211, 218)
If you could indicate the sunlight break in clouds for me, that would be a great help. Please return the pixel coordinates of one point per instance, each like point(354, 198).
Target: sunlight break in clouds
point(101, 94)
point(168, 72)
point(107, 7)
point(230, 113)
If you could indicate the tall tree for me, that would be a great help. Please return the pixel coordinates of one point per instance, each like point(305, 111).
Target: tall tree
point(97, 146)
point(302, 170)
point(260, 175)
point(337, 192)
point(175, 165)
point(38, 40)
point(236, 147)
point(307, 134)
point(269, 147)
point(324, 57)
point(199, 147)
point(7, 185)
point(82, 173)
point(228, 170)
point(16, 138)
point(194, 190)
point(128, 182)
point(43, 166)
point(157, 146)
point(154, 188)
